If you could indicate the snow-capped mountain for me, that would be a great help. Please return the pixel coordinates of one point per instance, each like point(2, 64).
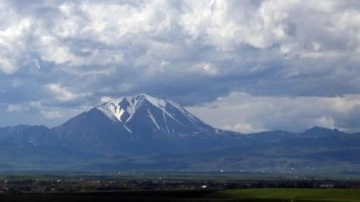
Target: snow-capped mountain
point(145, 133)
point(144, 115)
point(139, 118)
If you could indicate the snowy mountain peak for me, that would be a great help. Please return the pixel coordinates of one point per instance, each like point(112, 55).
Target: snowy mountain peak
point(140, 98)
point(115, 108)
point(148, 113)
point(124, 108)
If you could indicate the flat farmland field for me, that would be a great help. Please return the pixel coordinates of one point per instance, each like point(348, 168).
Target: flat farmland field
point(348, 195)
point(266, 195)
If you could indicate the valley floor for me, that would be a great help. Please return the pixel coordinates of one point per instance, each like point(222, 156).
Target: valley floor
point(174, 186)
point(266, 195)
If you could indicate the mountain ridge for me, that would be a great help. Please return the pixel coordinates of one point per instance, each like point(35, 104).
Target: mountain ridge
point(144, 132)
point(137, 116)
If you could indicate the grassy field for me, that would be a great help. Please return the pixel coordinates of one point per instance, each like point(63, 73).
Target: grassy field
point(341, 195)
point(266, 195)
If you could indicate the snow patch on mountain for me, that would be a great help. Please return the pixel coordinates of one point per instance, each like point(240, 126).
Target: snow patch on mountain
point(160, 103)
point(144, 114)
point(151, 116)
point(115, 109)
point(112, 111)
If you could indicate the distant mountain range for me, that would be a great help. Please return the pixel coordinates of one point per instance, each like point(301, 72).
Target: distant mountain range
point(146, 133)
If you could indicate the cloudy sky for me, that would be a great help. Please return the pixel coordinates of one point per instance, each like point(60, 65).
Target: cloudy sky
point(246, 65)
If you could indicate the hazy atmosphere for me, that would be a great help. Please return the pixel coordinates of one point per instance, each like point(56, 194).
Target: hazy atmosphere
point(247, 65)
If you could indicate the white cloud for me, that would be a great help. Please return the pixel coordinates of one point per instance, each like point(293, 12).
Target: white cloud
point(52, 114)
point(14, 31)
point(227, 24)
point(6, 66)
point(210, 69)
point(63, 94)
point(325, 121)
point(59, 55)
point(16, 108)
point(105, 99)
point(200, 50)
point(245, 113)
point(331, 25)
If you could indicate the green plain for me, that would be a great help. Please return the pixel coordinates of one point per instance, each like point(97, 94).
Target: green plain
point(240, 195)
point(340, 195)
